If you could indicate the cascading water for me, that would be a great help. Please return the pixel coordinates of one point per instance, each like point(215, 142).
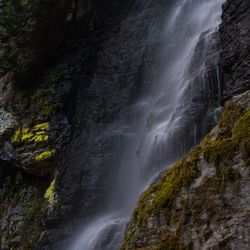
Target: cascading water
point(165, 123)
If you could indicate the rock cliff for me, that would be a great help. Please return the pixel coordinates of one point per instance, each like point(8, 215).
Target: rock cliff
point(202, 202)
point(58, 100)
point(235, 40)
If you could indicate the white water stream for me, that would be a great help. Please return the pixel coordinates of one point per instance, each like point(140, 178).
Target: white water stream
point(158, 118)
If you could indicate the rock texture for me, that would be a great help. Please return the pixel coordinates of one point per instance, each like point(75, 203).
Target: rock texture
point(51, 130)
point(202, 202)
point(57, 137)
point(235, 47)
point(34, 128)
point(104, 90)
point(22, 209)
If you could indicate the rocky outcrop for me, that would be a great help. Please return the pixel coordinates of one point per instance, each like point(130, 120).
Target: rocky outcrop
point(58, 136)
point(202, 202)
point(34, 128)
point(60, 123)
point(22, 209)
point(104, 90)
point(235, 47)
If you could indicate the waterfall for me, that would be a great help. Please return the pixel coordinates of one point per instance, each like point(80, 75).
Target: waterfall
point(166, 118)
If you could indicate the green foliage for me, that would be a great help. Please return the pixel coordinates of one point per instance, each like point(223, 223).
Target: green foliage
point(30, 32)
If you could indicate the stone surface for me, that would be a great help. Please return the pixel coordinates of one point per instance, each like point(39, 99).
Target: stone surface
point(22, 208)
point(7, 122)
point(211, 212)
point(84, 98)
point(235, 46)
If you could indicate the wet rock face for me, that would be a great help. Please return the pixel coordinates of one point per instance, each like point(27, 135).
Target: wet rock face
point(203, 201)
point(235, 45)
point(69, 134)
point(35, 127)
point(107, 79)
point(22, 208)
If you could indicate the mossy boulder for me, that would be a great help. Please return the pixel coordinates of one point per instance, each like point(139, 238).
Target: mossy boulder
point(32, 149)
point(37, 134)
point(39, 127)
point(201, 202)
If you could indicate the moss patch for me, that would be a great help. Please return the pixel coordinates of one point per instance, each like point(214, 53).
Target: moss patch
point(241, 135)
point(35, 134)
point(50, 193)
point(237, 137)
point(45, 155)
point(217, 151)
point(176, 216)
point(163, 194)
point(228, 119)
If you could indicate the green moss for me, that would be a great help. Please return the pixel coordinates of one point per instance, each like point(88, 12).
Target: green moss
point(40, 105)
point(15, 137)
point(241, 135)
point(41, 127)
point(181, 175)
point(230, 139)
point(237, 137)
point(216, 151)
point(45, 155)
point(229, 117)
point(50, 193)
point(163, 194)
point(35, 134)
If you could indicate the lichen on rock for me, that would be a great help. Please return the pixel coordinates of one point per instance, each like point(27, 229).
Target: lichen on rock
point(35, 134)
point(50, 194)
point(195, 205)
point(45, 155)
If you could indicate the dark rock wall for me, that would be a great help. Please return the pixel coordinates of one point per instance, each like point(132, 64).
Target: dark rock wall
point(83, 97)
point(235, 47)
point(199, 207)
point(107, 78)
point(202, 202)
